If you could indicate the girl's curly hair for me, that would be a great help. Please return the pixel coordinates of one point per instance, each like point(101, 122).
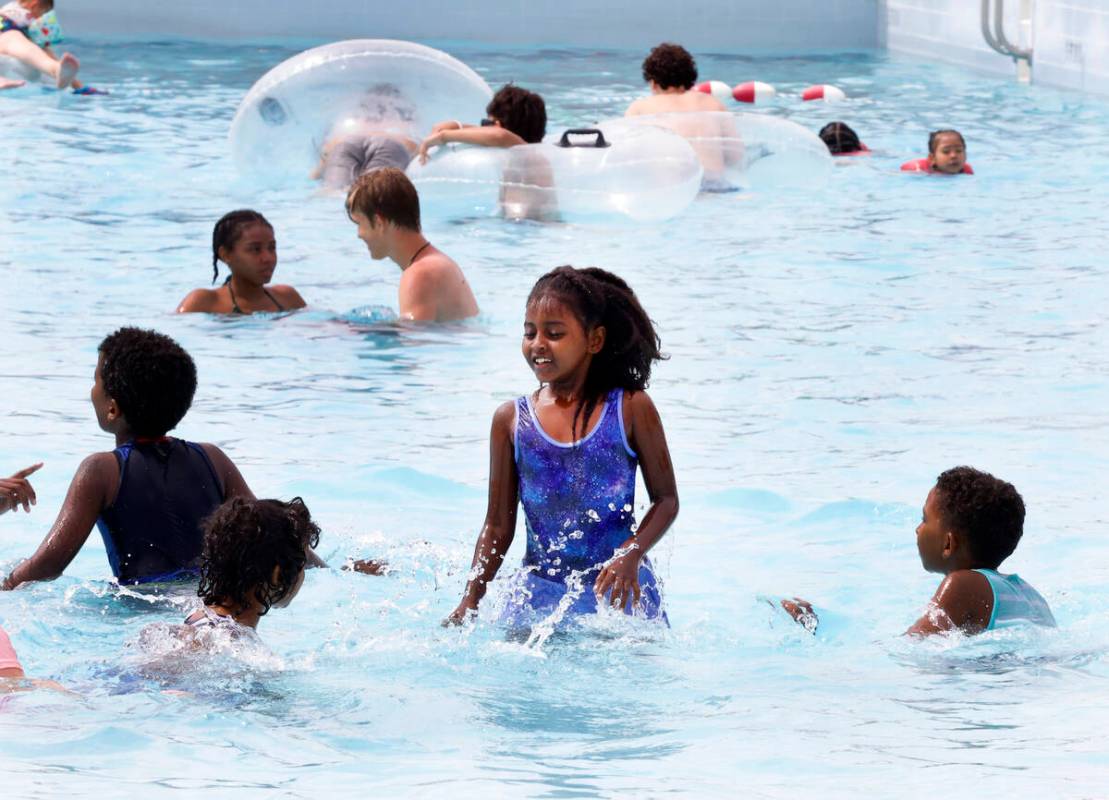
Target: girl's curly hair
point(244, 541)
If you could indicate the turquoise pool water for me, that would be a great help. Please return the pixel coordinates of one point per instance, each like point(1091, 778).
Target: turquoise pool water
point(831, 353)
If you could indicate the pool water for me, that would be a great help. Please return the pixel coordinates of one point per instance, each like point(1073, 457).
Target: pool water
point(830, 353)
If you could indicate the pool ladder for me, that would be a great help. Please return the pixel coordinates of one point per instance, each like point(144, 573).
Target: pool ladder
point(995, 36)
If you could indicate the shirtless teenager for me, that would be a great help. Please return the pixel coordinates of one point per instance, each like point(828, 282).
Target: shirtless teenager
point(386, 208)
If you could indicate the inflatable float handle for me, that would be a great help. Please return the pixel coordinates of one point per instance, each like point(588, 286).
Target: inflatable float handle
point(598, 142)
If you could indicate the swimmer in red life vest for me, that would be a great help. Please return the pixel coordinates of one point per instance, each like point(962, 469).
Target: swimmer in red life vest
point(947, 155)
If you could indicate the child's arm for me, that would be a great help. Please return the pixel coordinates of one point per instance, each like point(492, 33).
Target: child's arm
point(648, 439)
point(88, 494)
point(486, 136)
point(964, 601)
point(500, 515)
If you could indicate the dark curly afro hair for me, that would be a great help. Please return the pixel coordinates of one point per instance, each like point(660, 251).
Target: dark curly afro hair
point(986, 510)
point(670, 65)
point(244, 540)
point(151, 378)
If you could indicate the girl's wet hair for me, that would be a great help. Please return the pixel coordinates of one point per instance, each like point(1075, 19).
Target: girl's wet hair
point(599, 298)
point(839, 138)
point(244, 540)
point(229, 229)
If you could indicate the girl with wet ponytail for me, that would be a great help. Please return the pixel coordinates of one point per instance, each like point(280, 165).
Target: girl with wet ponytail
point(568, 453)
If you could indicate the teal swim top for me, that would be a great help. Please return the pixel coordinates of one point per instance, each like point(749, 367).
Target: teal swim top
point(1014, 601)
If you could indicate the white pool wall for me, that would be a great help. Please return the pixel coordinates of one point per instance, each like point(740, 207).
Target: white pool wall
point(1070, 38)
point(723, 25)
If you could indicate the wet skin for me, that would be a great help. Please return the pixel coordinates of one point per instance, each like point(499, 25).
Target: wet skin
point(559, 351)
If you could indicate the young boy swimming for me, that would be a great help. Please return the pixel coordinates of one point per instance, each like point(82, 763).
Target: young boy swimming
point(970, 524)
point(150, 494)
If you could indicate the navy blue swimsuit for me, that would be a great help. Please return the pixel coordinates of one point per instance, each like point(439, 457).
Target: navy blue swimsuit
point(152, 531)
point(578, 500)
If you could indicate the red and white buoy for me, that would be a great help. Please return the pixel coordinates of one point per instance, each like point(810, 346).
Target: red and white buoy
point(753, 92)
point(825, 92)
point(718, 89)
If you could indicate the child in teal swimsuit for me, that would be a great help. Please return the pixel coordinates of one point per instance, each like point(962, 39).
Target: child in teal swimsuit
point(971, 523)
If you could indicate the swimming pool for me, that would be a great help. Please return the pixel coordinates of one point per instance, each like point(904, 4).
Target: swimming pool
point(830, 354)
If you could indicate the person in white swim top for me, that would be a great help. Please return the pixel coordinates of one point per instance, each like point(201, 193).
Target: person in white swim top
point(972, 522)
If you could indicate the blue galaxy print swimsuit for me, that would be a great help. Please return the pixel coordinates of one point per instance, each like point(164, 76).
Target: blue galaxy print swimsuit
point(578, 504)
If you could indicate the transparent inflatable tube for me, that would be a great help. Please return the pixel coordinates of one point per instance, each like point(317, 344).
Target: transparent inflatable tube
point(744, 151)
point(397, 87)
point(645, 174)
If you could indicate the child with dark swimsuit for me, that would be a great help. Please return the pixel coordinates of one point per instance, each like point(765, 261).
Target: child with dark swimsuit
point(151, 493)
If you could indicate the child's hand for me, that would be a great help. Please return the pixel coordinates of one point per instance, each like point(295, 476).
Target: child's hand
point(464, 613)
point(367, 566)
point(621, 576)
point(802, 613)
point(17, 490)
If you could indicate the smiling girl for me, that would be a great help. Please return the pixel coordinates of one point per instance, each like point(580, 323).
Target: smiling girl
point(244, 241)
point(568, 453)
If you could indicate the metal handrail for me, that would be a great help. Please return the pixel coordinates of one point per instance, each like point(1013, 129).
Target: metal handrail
point(997, 39)
point(999, 25)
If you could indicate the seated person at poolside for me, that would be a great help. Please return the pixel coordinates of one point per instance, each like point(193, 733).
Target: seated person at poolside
point(947, 155)
point(244, 241)
point(17, 23)
point(17, 491)
point(841, 140)
point(149, 496)
point(971, 523)
point(386, 208)
point(671, 72)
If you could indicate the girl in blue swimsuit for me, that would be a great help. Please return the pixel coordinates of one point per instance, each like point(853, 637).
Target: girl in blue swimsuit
point(568, 453)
